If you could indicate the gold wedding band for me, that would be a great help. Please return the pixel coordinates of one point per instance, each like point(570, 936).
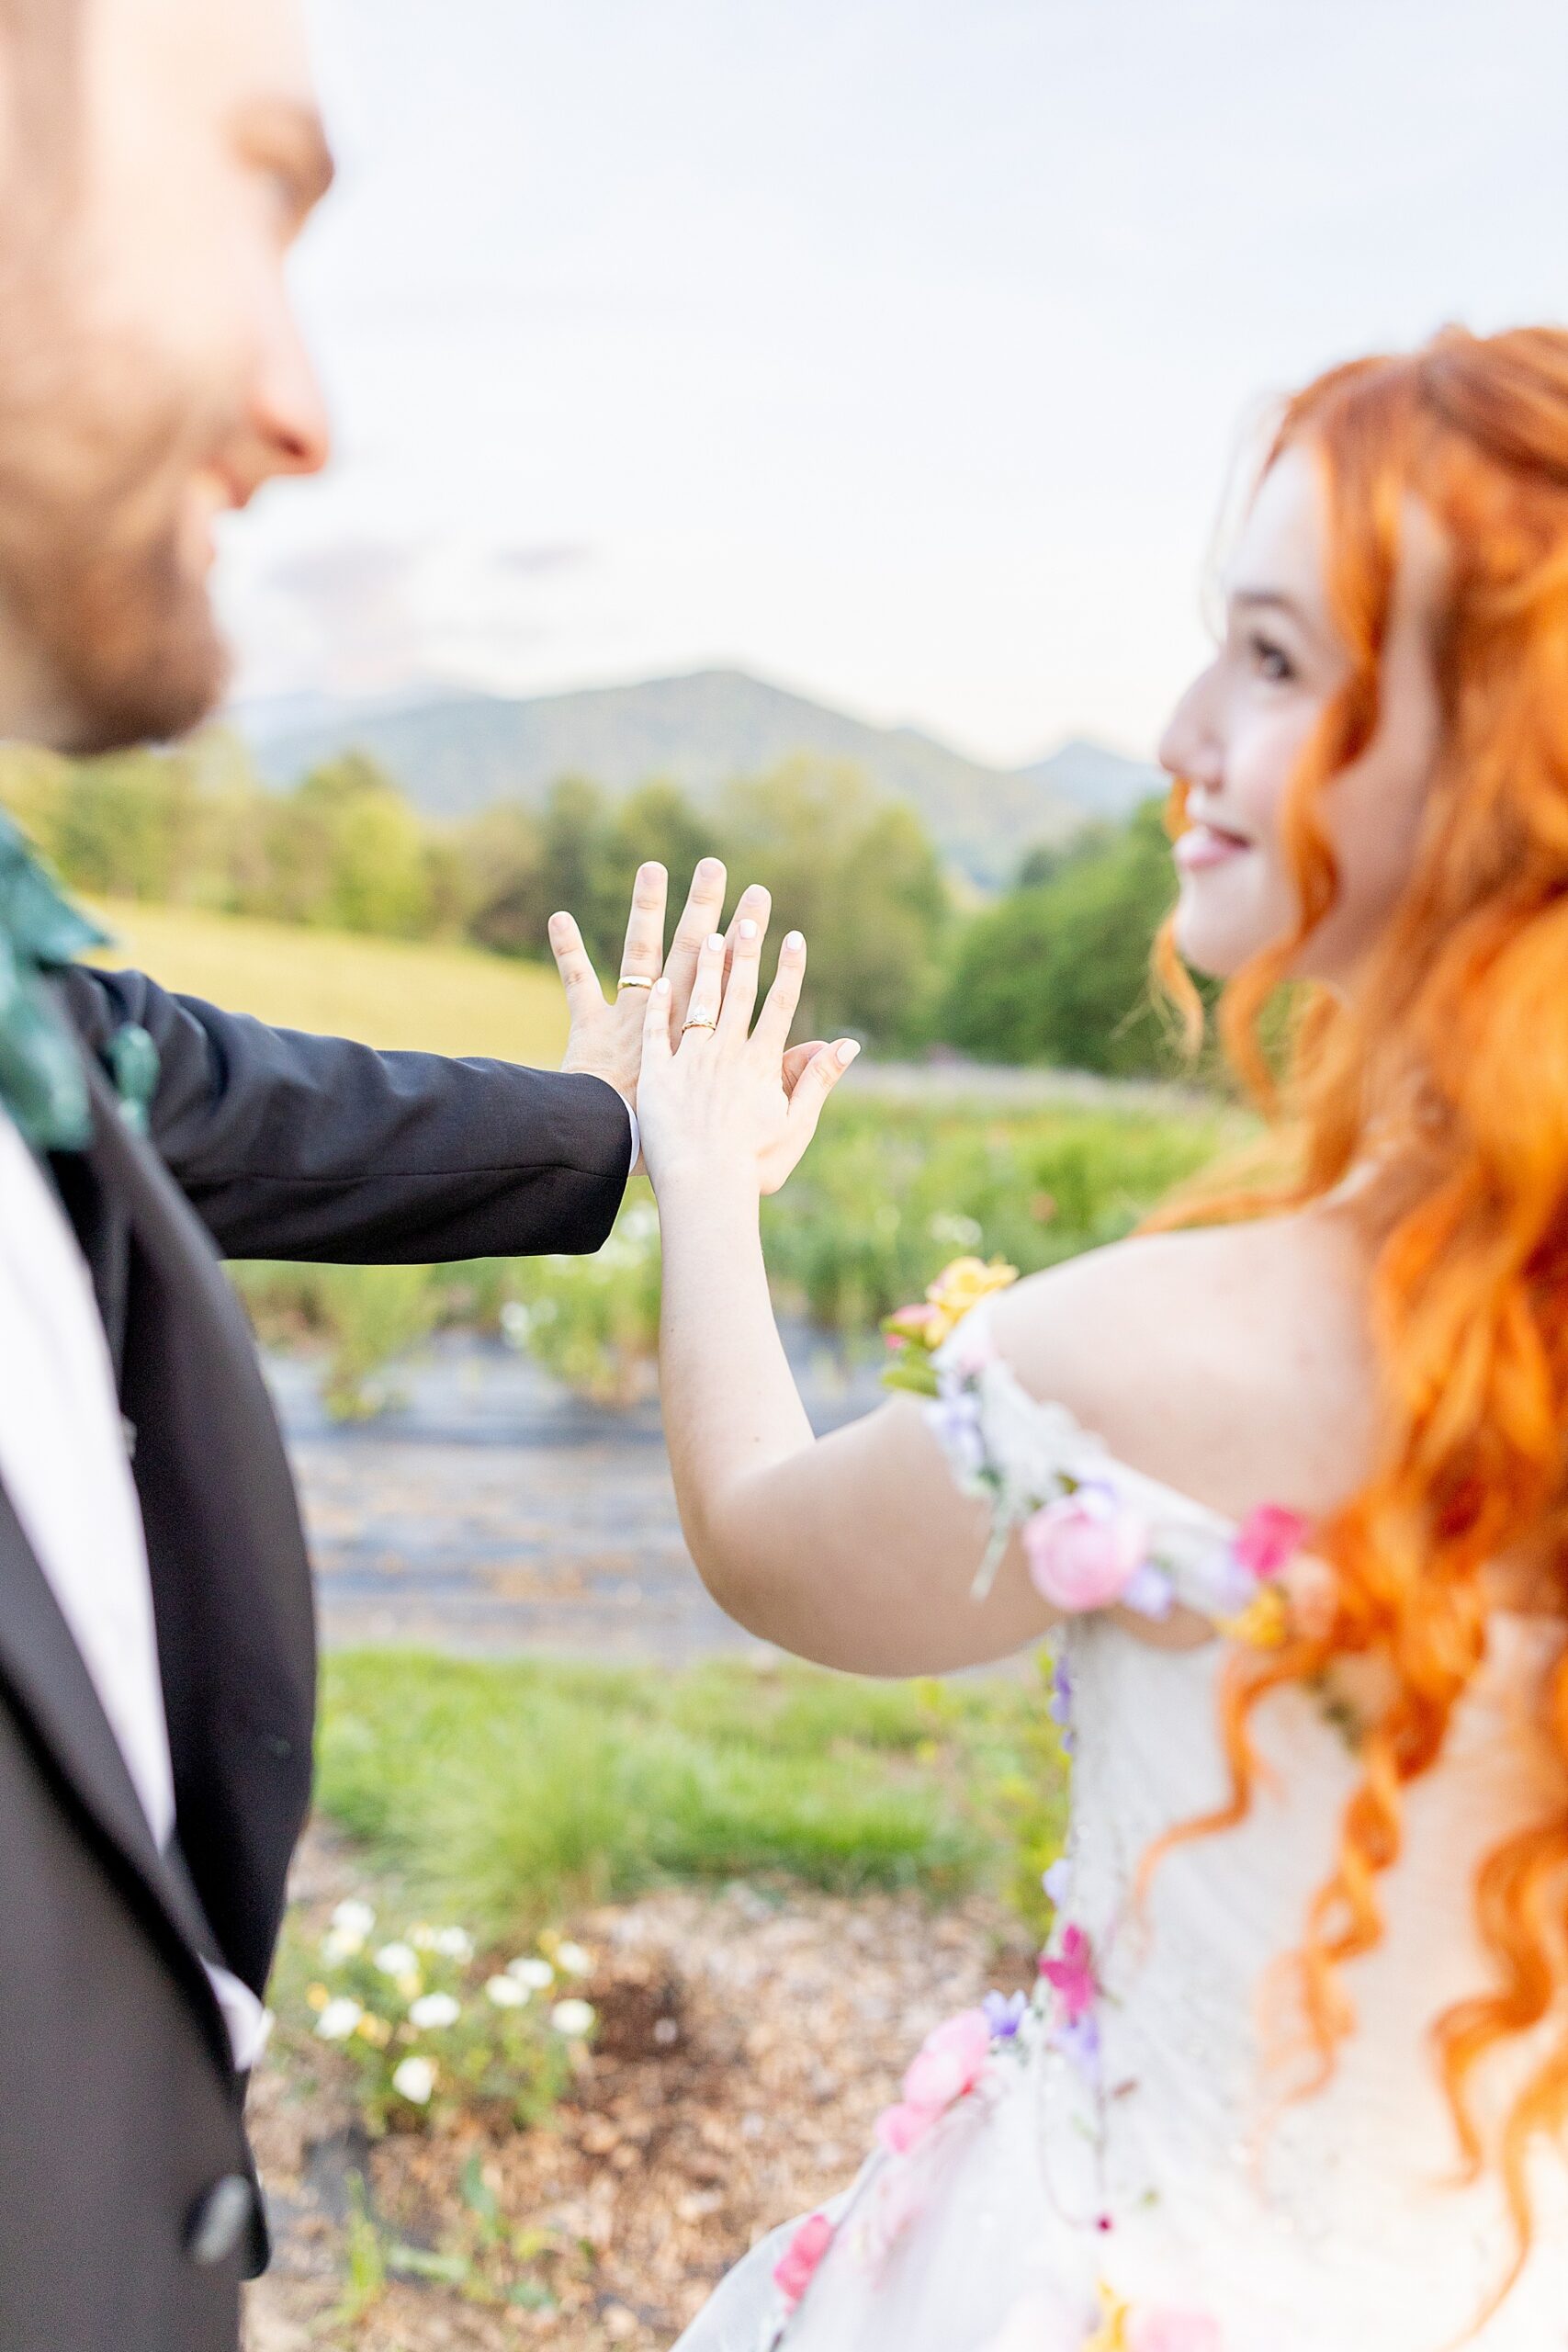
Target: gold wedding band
point(632, 980)
point(697, 1024)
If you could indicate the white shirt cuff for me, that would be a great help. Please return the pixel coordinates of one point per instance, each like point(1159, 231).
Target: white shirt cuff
point(637, 1139)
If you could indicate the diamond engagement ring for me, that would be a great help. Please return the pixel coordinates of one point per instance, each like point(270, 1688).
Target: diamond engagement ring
point(697, 1024)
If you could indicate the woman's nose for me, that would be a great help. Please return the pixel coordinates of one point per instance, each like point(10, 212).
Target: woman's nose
point(1190, 746)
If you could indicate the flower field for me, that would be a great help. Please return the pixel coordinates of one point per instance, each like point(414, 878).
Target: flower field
point(890, 1192)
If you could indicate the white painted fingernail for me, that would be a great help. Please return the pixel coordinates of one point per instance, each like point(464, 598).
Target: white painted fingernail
point(660, 988)
point(748, 930)
point(794, 942)
point(848, 1051)
point(716, 943)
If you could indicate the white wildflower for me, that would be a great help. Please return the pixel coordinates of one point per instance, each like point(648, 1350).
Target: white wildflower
point(415, 2078)
point(398, 1959)
point(354, 1918)
point(572, 2019)
point(340, 1944)
point(573, 1961)
point(537, 1975)
point(434, 2009)
point(423, 1937)
point(338, 2020)
point(506, 1991)
point(455, 1943)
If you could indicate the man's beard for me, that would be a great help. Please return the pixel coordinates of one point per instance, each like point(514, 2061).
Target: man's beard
point(96, 590)
point(124, 639)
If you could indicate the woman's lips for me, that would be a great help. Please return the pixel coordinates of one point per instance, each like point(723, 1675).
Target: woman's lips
point(1201, 846)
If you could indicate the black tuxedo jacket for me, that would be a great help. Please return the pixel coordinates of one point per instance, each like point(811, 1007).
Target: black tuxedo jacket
point(127, 2210)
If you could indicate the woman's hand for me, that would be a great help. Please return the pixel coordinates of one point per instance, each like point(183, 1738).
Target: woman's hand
point(720, 1099)
point(606, 1039)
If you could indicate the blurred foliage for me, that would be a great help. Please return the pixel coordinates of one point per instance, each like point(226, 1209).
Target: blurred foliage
point(194, 827)
point(891, 1191)
point(512, 1791)
point(888, 1195)
point(1058, 970)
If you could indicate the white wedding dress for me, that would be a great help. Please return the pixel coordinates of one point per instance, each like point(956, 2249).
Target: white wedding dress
point(1117, 2193)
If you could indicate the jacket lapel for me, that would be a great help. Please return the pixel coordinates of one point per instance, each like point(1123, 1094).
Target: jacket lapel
point(54, 1696)
point(230, 1582)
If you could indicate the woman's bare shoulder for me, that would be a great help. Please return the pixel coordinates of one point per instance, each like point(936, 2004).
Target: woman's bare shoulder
point(1232, 1362)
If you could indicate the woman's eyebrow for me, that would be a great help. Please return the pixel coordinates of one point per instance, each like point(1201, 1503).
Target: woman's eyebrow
point(1246, 598)
point(1269, 600)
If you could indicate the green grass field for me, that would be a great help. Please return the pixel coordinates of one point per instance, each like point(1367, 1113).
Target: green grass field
point(508, 1793)
point(384, 991)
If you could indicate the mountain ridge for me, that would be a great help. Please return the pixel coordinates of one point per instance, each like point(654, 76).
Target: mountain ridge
point(455, 753)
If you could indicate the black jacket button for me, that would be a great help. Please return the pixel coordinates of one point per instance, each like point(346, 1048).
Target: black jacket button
point(220, 2219)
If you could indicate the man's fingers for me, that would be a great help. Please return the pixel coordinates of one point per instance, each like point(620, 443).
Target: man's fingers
point(744, 967)
point(778, 1014)
point(643, 956)
point(572, 961)
point(699, 920)
point(798, 1060)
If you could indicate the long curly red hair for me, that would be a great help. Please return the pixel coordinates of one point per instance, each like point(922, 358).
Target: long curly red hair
point(1446, 1070)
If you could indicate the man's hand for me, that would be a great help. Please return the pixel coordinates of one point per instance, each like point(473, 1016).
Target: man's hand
point(606, 1039)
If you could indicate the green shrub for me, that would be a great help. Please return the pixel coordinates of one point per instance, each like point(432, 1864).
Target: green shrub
point(594, 1321)
point(510, 1791)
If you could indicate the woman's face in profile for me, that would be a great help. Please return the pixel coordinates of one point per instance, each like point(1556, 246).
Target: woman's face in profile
point(1242, 728)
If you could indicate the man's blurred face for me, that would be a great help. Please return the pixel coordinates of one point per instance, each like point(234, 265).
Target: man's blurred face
point(151, 375)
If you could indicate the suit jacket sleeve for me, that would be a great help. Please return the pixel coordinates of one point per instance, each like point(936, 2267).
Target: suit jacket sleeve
point(290, 1145)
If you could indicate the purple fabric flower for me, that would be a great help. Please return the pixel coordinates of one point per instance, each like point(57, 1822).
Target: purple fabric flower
point(956, 1417)
point(1150, 1591)
point(1004, 2014)
point(1078, 2038)
point(1059, 1706)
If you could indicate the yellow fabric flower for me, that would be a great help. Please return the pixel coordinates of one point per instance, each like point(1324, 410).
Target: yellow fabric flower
point(1264, 1623)
point(1111, 2335)
point(960, 1287)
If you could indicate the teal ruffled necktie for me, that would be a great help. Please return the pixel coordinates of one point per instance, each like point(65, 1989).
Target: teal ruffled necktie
point(42, 1083)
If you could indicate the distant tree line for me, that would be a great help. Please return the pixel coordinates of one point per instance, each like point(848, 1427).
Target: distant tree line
point(1053, 971)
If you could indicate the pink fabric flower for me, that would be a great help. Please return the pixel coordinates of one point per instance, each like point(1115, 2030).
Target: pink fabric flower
point(900, 2128)
point(1071, 1977)
point(1267, 1540)
point(1084, 1550)
point(797, 2265)
point(1166, 2331)
point(949, 2061)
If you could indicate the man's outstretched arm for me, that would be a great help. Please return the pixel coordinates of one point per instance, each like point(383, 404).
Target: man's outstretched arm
point(292, 1146)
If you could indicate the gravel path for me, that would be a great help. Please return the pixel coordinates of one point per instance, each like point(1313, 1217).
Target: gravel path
point(488, 1511)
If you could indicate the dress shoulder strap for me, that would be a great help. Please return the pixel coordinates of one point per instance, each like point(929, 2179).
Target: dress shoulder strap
point(1097, 1533)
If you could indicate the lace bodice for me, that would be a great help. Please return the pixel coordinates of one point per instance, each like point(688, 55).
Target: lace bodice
point(1106, 2177)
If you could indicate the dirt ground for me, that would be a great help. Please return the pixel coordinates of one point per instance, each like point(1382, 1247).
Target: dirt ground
point(747, 2041)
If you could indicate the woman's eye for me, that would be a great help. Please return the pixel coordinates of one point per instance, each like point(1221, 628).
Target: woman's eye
point(1271, 661)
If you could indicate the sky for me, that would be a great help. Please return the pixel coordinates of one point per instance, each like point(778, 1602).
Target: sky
point(897, 350)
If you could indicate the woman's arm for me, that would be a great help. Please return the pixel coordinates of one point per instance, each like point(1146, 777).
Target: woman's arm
point(1231, 1364)
point(856, 1549)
